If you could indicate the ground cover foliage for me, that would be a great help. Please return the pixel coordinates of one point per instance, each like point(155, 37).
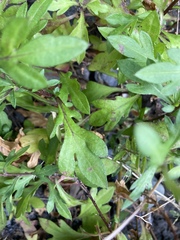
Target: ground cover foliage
point(70, 126)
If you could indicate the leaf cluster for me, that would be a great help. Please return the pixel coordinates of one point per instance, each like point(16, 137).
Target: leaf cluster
point(130, 44)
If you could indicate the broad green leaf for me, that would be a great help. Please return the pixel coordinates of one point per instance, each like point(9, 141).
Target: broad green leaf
point(101, 198)
point(96, 91)
point(105, 31)
point(78, 97)
point(62, 232)
point(174, 173)
point(149, 88)
point(37, 11)
point(14, 33)
point(61, 6)
point(84, 148)
point(36, 202)
point(68, 199)
point(147, 45)
point(23, 75)
point(22, 10)
point(129, 67)
point(151, 25)
point(150, 144)
point(117, 19)
point(128, 47)
point(104, 62)
point(110, 166)
point(174, 40)
point(98, 7)
point(48, 51)
point(174, 54)
point(111, 111)
point(80, 31)
point(160, 73)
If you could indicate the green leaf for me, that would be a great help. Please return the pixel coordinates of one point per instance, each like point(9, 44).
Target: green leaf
point(3, 219)
point(129, 67)
point(21, 183)
point(98, 7)
point(147, 45)
point(111, 111)
point(62, 232)
point(160, 73)
point(128, 47)
point(151, 25)
point(36, 202)
point(174, 54)
point(174, 173)
point(104, 62)
point(22, 10)
point(174, 40)
point(14, 156)
point(117, 19)
point(37, 11)
point(48, 51)
point(68, 199)
point(101, 198)
point(150, 144)
point(110, 166)
point(86, 149)
point(23, 75)
point(61, 206)
point(95, 91)
point(14, 33)
point(23, 203)
point(149, 88)
point(55, 199)
point(62, 6)
point(144, 182)
point(78, 97)
point(80, 31)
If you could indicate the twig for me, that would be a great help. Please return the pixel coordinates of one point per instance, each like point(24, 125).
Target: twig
point(15, 174)
point(130, 218)
point(95, 205)
point(170, 7)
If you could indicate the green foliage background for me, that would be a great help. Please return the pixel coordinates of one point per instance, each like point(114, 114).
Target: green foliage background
point(132, 46)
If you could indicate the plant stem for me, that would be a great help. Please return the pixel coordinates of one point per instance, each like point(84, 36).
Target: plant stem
point(170, 7)
point(95, 205)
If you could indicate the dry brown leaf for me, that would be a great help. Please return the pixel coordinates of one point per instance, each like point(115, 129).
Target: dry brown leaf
point(121, 190)
point(37, 119)
point(29, 229)
point(33, 161)
point(149, 5)
point(7, 146)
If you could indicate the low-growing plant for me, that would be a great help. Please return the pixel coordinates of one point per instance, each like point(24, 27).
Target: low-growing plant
point(69, 127)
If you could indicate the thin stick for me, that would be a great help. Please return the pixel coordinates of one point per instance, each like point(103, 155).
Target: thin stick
point(128, 220)
point(95, 205)
point(170, 7)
